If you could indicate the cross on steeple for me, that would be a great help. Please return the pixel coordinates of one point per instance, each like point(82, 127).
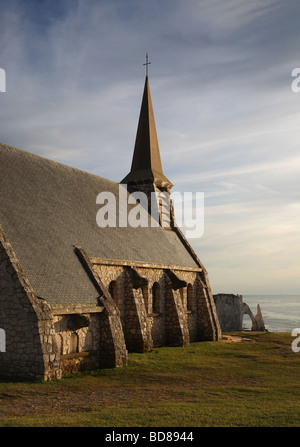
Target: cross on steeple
point(147, 63)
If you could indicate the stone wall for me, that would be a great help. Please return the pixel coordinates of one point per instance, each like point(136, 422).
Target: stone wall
point(31, 350)
point(44, 343)
point(178, 319)
point(78, 341)
point(140, 306)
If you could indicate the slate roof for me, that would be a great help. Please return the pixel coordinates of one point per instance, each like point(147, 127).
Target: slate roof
point(47, 208)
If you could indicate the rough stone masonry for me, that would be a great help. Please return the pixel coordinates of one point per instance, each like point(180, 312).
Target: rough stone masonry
point(75, 296)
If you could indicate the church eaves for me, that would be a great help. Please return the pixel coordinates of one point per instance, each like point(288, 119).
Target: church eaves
point(146, 163)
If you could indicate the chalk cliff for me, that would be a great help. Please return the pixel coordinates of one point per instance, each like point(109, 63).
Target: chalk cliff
point(231, 310)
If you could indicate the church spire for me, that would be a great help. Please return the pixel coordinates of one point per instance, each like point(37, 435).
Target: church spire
point(146, 163)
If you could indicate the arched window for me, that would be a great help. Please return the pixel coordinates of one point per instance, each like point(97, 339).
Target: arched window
point(114, 292)
point(190, 297)
point(156, 298)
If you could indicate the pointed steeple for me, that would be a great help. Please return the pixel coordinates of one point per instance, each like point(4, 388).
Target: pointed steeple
point(146, 163)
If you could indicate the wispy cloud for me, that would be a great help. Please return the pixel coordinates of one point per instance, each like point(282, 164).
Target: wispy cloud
point(227, 120)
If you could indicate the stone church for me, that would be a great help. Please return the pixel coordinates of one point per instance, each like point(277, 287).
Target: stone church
point(78, 296)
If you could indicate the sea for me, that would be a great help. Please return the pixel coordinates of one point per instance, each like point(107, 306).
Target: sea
point(281, 313)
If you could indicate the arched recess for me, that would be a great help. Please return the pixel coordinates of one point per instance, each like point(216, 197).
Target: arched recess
point(156, 298)
point(74, 343)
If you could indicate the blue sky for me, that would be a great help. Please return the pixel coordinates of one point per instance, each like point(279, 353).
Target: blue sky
point(227, 119)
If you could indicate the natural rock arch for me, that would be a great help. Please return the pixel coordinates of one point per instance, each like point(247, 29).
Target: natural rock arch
point(231, 310)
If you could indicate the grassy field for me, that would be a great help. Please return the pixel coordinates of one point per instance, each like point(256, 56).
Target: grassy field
point(254, 382)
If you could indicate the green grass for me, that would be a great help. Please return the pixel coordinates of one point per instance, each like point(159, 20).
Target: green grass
point(212, 384)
